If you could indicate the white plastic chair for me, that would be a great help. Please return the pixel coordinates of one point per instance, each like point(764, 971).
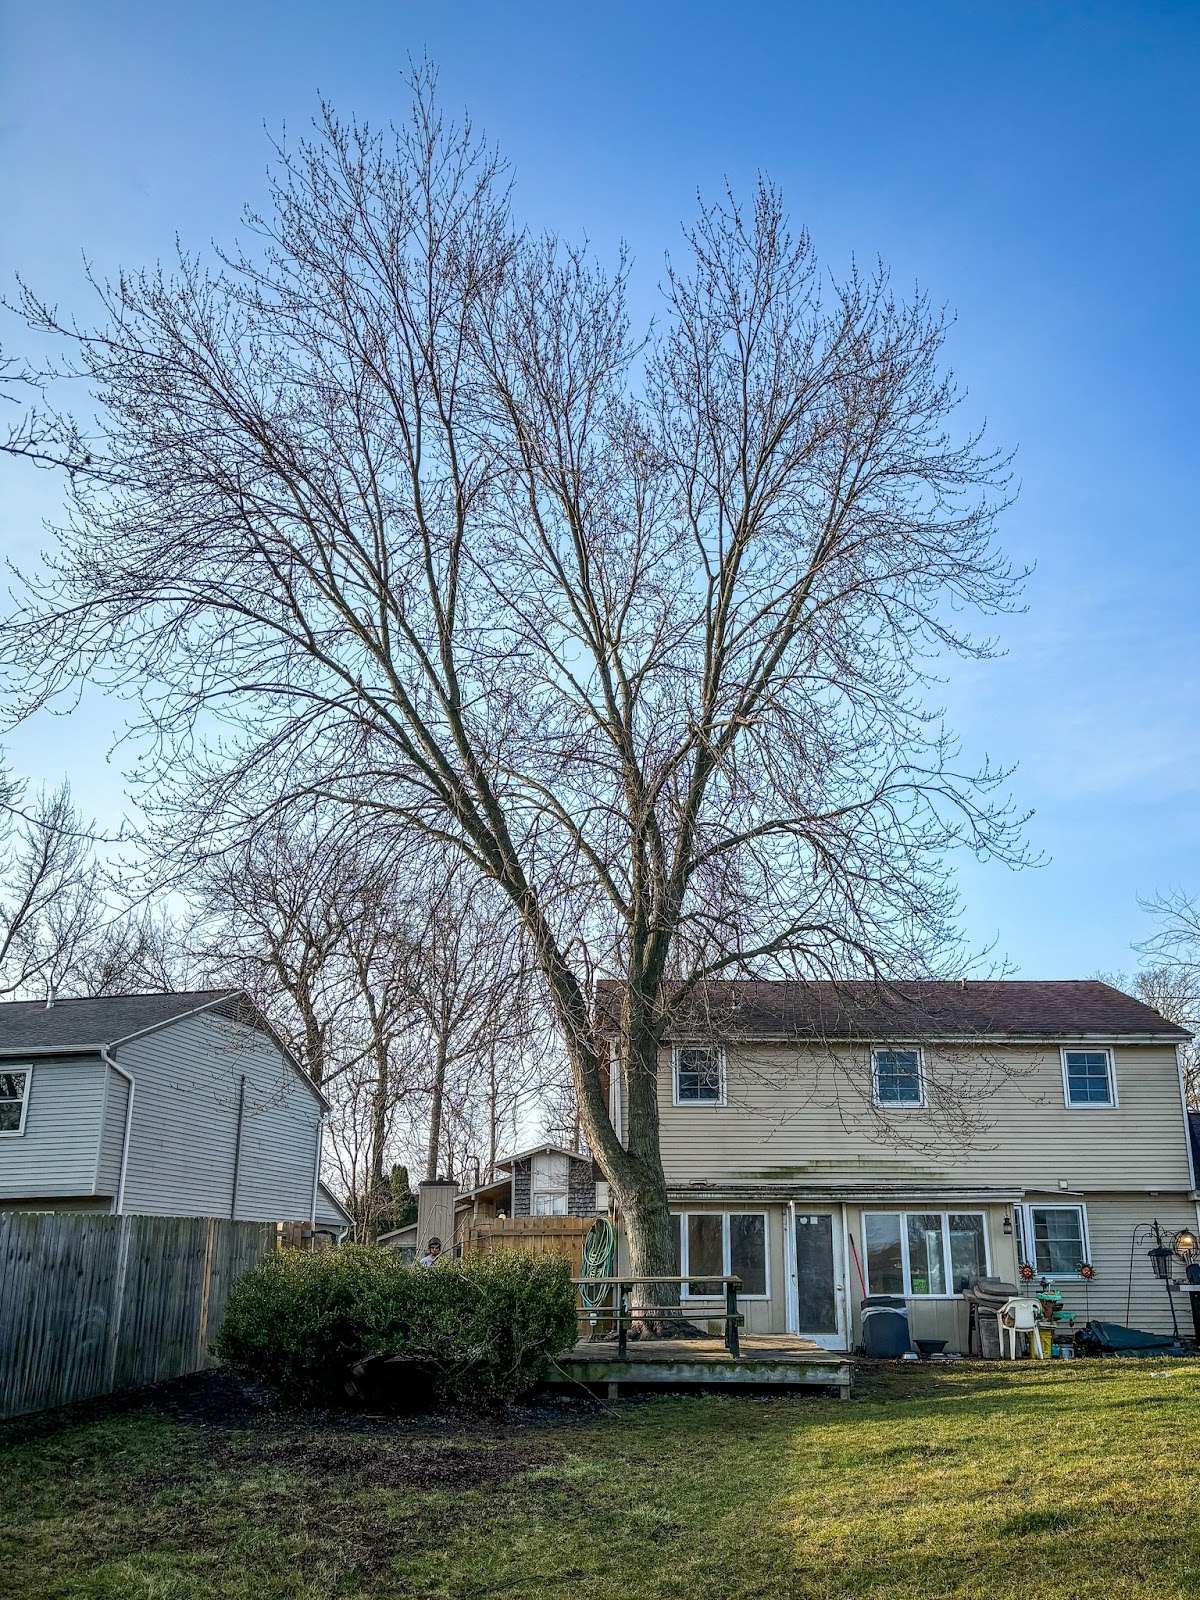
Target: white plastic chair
point(1024, 1315)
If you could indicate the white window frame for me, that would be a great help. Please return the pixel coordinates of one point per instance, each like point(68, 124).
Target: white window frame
point(27, 1069)
point(1025, 1213)
point(898, 1105)
point(727, 1270)
point(719, 1051)
point(933, 1211)
point(1112, 1103)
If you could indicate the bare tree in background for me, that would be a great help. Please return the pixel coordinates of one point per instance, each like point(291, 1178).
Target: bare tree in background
point(393, 502)
point(53, 910)
point(1170, 979)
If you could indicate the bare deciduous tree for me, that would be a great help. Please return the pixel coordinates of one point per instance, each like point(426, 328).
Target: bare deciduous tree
point(642, 629)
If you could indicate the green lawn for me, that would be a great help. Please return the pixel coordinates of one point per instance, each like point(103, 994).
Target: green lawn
point(1072, 1481)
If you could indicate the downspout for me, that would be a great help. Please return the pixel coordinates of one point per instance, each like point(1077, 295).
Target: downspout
point(237, 1148)
point(119, 1208)
point(312, 1221)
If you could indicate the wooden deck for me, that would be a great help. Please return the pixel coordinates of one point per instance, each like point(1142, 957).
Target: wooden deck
point(777, 1359)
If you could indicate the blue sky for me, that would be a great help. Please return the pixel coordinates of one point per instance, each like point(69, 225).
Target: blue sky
point(1033, 166)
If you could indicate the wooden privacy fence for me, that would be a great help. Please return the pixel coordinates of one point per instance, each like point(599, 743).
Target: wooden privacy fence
point(545, 1236)
point(94, 1304)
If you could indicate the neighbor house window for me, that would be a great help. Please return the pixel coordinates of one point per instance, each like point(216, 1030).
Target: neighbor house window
point(1052, 1239)
point(699, 1075)
point(1088, 1078)
point(550, 1182)
point(725, 1244)
point(14, 1099)
point(923, 1252)
point(898, 1080)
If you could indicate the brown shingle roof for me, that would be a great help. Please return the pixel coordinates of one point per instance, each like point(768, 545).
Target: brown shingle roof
point(999, 1008)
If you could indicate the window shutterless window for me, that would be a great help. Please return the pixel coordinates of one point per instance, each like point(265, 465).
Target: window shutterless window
point(897, 1078)
point(1052, 1239)
point(699, 1075)
point(1088, 1078)
point(916, 1253)
point(726, 1244)
point(14, 1099)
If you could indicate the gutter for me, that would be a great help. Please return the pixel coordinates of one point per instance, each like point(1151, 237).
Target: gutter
point(119, 1206)
point(312, 1221)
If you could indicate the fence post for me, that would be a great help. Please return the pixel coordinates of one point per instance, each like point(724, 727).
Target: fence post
point(117, 1303)
point(732, 1341)
point(622, 1323)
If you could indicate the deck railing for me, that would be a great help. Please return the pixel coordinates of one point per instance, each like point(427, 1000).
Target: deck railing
point(623, 1313)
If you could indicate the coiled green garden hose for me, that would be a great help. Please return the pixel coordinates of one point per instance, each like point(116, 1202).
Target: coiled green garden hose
point(599, 1248)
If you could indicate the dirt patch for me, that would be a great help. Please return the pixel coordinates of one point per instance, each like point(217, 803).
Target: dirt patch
point(377, 1463)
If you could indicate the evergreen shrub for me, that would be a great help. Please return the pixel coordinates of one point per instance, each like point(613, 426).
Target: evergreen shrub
point(359, 1322)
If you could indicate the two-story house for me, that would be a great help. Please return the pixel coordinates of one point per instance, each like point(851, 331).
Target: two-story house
point(159, 1104)
point(827, 1142)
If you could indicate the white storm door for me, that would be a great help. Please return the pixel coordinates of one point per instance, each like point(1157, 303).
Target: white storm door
point(818, 1292)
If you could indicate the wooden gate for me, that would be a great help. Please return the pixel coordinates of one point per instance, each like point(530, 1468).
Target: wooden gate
point(543, 1236)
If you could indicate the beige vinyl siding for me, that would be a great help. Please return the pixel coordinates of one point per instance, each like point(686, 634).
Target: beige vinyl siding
point(56, 1154)
point(184, 1129)
point(1111, 1222)
point(108, 1171)
point(802, 1115)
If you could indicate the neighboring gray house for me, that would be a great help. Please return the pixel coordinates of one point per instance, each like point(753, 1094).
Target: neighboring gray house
point(159, 1104)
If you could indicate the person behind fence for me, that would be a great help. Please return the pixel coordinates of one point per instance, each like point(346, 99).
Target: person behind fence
point(433, 1251)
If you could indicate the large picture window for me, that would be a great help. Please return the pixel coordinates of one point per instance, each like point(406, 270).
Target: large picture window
point(1052, 1239)
point(727, 1244)
point(14, 1099)
point(923, 1253)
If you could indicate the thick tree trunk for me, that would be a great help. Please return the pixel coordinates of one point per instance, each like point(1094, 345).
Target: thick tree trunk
point(639, 1183)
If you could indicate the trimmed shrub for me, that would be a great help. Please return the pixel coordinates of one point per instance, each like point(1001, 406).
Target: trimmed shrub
point(475, 1332)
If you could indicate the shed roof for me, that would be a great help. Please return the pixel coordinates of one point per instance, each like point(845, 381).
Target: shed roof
point(984, 1008)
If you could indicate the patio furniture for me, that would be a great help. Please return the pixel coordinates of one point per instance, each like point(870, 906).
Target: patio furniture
point(984, 1298)
point(1021, 1315)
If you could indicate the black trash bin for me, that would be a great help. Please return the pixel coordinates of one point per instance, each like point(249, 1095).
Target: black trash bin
point(885, 1326)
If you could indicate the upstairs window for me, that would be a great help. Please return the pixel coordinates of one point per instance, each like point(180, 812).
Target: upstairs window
point(14, 1099)
point(1088, 1078)
point(898, 1079)
point(699, 1075)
